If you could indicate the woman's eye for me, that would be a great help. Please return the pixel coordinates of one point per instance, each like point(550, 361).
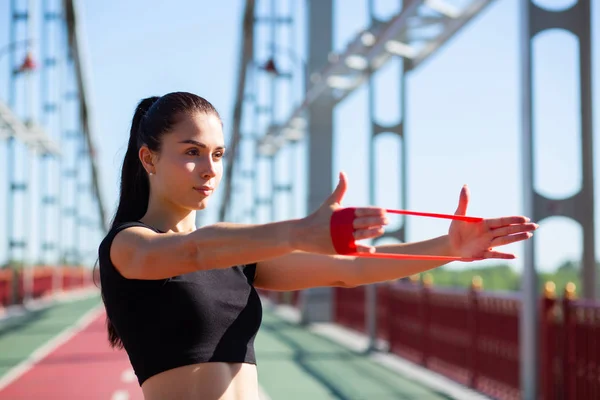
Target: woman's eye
point(195, 152)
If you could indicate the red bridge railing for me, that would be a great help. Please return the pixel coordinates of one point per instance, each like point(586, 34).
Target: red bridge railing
point(469, 336)
point(42, 281)
point(472, 336)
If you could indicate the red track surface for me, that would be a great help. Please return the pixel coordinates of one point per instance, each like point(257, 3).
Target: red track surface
point(84, 367)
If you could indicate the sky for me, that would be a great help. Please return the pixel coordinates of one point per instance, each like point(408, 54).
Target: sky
point(462, 111)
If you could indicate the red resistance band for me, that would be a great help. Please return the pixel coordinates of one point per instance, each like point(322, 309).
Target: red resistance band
point(342, 235)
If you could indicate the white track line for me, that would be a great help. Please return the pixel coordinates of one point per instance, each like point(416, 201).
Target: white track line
point(128, 376)
point(45, 349)
point(120, 395)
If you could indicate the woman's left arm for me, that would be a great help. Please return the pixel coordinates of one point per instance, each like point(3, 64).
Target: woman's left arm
point(299, 270)
point(296, 271)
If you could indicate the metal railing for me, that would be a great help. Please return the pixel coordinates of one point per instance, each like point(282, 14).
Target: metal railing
point(472, 336)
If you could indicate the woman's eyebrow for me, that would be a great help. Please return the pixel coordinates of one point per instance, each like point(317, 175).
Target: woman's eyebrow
point(196, 143)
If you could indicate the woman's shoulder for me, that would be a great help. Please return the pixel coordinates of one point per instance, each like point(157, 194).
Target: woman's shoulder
point(119, 226)
point(107, 268)
point(106, 242)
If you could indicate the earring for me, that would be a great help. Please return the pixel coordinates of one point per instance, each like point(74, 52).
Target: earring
point(151, 173)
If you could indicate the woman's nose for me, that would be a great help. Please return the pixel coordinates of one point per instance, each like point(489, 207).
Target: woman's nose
point(209, 169)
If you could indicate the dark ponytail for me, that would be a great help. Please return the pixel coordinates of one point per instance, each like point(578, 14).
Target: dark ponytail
point(135, 188)
point(153, 117)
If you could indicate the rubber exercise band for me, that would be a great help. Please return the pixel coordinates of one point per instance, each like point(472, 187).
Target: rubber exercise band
point(342, 235)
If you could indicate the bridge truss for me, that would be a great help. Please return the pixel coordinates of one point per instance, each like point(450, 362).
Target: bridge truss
point(267, 131)
point(54, 214)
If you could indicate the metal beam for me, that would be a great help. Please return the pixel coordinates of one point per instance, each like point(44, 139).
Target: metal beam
point(77, 48)
point(317, 303)
point(580, 206)
point(404, 35)
point(247, 54)
point(32, 135)
point(372, 48)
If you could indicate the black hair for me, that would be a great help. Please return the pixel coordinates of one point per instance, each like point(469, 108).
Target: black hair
point(153, 118)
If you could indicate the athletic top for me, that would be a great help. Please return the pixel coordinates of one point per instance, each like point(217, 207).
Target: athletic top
point(203, 316)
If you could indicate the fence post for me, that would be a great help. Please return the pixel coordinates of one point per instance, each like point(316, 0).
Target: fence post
point(547, 351)
point(57, 279)
point(6, 286)
point(473, 351)
point(569, 371)
point(426, 311)
point(383, 312)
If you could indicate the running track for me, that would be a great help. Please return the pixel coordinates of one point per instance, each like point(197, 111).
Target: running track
point(62, 353)
point(83, 367)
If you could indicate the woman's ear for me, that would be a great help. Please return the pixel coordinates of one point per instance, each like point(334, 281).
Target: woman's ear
point(147, 158)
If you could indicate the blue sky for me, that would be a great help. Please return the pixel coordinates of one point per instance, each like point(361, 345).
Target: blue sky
point(463, 121)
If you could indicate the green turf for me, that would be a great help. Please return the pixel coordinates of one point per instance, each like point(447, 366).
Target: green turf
point(21, 336)
point(294, 363)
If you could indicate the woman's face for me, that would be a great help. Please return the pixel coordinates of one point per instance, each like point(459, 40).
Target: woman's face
point(189, 167)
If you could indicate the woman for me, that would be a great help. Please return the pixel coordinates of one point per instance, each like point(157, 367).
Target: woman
point(182, 300)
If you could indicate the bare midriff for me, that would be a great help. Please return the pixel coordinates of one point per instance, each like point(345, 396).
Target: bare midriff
point(208, 381)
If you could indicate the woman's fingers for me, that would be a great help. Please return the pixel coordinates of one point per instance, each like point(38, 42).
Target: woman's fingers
point(493, 223)
point(504, 240)
point(365, 249)
point(368, 233)
point(512, 233)
point(512, 229)
point(369, 222)
point(369, 212)
point(498, 254)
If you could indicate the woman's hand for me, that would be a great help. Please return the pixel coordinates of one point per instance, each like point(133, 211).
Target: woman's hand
point(313, 233)
point(478, 240)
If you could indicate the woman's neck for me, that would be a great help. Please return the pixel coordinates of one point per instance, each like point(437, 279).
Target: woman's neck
point(167, 218)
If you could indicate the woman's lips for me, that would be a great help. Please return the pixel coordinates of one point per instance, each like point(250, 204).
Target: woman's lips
point(205, 190)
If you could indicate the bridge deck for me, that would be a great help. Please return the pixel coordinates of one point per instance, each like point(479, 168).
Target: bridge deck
point(60, 351)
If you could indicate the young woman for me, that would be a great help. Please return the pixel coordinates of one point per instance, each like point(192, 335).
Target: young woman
point(181, 300)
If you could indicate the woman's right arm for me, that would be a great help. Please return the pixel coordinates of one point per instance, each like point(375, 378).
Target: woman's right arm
point(139, 253)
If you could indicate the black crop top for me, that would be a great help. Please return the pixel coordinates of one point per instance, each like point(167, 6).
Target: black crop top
point(204, 316)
